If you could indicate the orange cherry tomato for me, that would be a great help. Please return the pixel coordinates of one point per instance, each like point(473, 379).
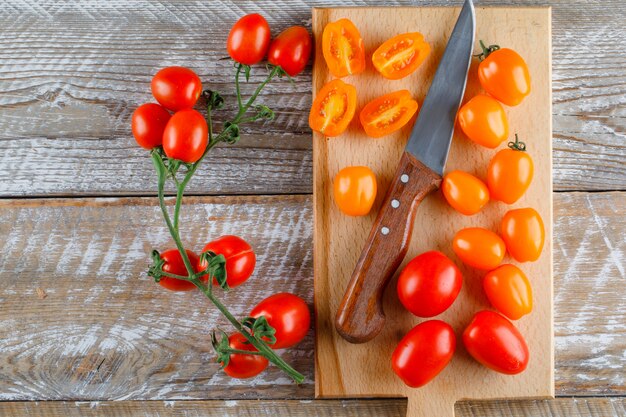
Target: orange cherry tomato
point(355, 190)
point(484, 121)
point(343, 49)
point(510, 173)
point(401, 55)
point(524, 234)
point(509, 291)
point(464, 192)
point(479, 248)
point(387, 113)
point(503, 73)
point(333, 108)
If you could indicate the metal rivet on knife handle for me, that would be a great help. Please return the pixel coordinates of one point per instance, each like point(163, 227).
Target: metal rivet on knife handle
point(384, 230)
point(395, 203)
point(404, 178)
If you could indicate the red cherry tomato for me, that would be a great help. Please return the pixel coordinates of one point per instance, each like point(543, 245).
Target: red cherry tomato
point(495, 342)
point(148, 123)
point(429, 284)
point(291, 50)
point(288, 314)
point(248, 39)
point(176, 88)
point(174, 265)
point(423, 353)
point(240, 258)
point(241, 365)
point(186, 136)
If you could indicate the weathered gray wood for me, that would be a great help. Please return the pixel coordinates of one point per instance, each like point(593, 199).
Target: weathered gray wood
point(105, 331)
point(71, 76)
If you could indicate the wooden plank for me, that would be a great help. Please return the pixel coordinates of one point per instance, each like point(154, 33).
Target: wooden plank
point(90, 256)
point(561, 407)
point(68, 88)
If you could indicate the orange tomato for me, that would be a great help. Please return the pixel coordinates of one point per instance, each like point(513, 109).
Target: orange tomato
point(464, 192)
point(401, 55)
point(355, 190)
point(509, 291)
point(343, 49)
point(503, 73)
point(524, 234)
point(484, 121)
point(387, 113)
point(510, 173)
point(333, 108)
point(479, 248)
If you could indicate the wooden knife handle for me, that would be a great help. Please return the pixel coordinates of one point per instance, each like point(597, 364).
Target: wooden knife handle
point(360, 316)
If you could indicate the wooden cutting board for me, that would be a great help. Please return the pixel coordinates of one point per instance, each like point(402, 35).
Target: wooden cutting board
point(348, 370)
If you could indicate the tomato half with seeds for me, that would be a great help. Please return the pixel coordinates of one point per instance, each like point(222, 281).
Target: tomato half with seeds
point(479, 248)
point(174, 265)
point(401, 55)
point(354, 189)
point(503, 73)
point(176, 88)
point(148, 123)
point(388, 113)
point(240, 258)
point(484, 121)
point(510, 173)
point(333, 108)
point(509, 291)
point(288, 314)
point(240, 365)
point(524, 234)
point(342, 47)
point(291, 50)
point(249, 39)
point(186, 136)
point(496, 343)
point(464, 192)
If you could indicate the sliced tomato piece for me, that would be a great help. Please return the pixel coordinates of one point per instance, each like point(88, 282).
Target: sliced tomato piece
point(343, 49)
point(387, 113)
point(401, 55)
point(333, 108)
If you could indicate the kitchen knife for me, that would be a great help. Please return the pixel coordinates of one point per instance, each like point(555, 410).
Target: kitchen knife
point(360, 316)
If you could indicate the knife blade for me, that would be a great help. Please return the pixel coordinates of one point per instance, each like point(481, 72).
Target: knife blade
point(360, 316)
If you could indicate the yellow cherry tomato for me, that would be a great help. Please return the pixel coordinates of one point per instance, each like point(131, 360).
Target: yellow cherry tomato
point(524, 234)
point(503, 73)
point(479, 248)
point(509, 291)
point(464, 192)
point(355, 190)
point(484, 121)
point(510, 173)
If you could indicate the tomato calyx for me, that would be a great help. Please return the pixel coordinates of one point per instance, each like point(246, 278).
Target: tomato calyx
point(216, 268)
point(222, 348)
point(517, 145)
point(260, 329)
point(487, 50)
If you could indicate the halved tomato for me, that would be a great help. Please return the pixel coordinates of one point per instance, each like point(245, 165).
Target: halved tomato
point(387, 113)
point(401, 55)
point(343, 49)
point(333, 108)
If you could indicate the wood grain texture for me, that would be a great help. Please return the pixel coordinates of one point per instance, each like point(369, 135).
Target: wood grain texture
point(71, 76)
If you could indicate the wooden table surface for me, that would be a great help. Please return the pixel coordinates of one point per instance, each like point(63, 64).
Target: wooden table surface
point(78, 214)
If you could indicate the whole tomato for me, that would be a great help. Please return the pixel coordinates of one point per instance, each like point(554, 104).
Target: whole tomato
point(464, 192)
point(241, 365)
point(429, 284)
point(524, 234)
point(424, 352)
point(503, 73)
point(174, 265)
point(496, 343)
point(509, 291)
point(355, 189)
point(288, 314)
point(148, 123)
point(484, 121)
point(478, 247)
point(291, 50)
point(186, 136)
point(249, 39)
point(176, 88)
point(510, 173)
point(240, 258)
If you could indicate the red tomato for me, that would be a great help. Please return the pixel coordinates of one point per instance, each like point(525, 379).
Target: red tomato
point(291, 50)
point(241, 365)
point(429, 284)
point(240, 258)
point(174, 265)
point(248, 39)
point(176, 88)
point(493, 341)
point(288, 314)
point(423, 353)
point(148, 123)
point(186, 136)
